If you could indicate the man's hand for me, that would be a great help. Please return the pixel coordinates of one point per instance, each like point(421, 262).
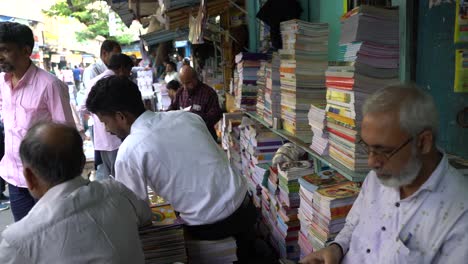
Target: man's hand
point(329, 255)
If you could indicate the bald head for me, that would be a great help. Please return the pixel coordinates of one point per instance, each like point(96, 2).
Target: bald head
point(188, 78)
point(53, 151)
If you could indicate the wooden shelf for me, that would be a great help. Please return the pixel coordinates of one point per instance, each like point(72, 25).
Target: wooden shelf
point(349, 174)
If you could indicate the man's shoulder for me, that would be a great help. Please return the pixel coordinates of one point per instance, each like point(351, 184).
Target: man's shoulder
point(45, 77)
point(454, 185)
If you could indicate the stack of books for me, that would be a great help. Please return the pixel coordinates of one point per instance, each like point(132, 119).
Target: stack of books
point(164, 242)
point(231, 139)
point(212, 251)
point(272, 90)
point(247, 67)
point(308, 185)
point(304, 59)
point(317, 121)
point(369, 55)
point(330, 206)
point(261, 83)
point(285, 208)
point(258, 146)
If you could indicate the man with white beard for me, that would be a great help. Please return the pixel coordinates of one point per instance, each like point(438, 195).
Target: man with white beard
point(413, 206)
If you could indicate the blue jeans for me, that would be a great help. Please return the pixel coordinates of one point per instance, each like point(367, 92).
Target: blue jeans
point(21, 201)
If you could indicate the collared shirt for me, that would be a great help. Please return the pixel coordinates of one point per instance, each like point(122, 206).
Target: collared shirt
point(430, 226)
point(204, 102)
point(92, 71)
point(38, 96)
point(79, 222)
point(103, 140)
point(171, 76)
point(173, 153)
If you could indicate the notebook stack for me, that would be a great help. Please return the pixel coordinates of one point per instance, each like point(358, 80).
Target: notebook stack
point(164, 242)
point(304, 60)
point(330, 206)
point(231, 139)
point(212, 251)
point(261, 83)
point(272, 90)
point(369, 55)
point(248, 65)
point(308, 185)
point(285, 232)
point(317, 121)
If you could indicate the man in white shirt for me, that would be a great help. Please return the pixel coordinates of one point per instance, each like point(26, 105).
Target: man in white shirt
point(171, 73)
point(413, 206)
point(174, 154)
point(74, 221)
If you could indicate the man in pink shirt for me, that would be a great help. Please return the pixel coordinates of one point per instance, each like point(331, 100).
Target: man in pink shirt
point(28, 95)
point(104, 142)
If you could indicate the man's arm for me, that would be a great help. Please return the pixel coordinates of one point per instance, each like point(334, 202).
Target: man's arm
point(10, 255)
point(128, 171)
point(58, 103)
point(141, 207)
point(455, 248)
point(213, 111)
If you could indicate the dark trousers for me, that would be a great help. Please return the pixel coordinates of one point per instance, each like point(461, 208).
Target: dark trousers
point(21, 201)
point(2, 185)
point(240, 225)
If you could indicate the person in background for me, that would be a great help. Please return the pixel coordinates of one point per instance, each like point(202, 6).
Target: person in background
point(28, 95)
point(77, 77)
point(104, 142)
point(71, 212)
point(180, 62)
point(413, 205)
point(159, 150)
point(197, 98)
point(172, 88)
point(108, 48)
point(171, 74)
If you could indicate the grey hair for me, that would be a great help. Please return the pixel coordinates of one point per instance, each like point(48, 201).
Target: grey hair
point(54, 160)
point(417, 110)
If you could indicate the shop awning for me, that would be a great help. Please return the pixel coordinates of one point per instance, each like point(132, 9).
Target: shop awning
point(164, 35)
point(121, 8)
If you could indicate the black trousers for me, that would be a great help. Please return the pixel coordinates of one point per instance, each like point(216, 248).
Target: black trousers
point(240, 225)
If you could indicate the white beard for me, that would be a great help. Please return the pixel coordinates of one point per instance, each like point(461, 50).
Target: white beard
point(407, 175)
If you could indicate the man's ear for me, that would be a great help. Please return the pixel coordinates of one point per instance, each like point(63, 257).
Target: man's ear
point(31, 178)
point(426, 141)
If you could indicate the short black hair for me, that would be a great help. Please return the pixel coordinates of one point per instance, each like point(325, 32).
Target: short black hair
point(12, 32)
point(115, 94)
point(109, 45)
point(54, 162)
point(120, 60)
point(174, 66)
point(173, 85)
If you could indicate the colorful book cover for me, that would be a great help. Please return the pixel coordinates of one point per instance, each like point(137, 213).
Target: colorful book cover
point(163, 215)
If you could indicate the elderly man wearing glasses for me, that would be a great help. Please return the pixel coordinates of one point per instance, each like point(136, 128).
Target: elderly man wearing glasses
point(413, 206)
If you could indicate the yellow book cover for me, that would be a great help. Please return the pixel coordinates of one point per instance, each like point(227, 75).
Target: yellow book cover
point(163, 215)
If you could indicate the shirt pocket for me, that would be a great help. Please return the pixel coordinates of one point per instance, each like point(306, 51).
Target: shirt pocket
point(398, 253)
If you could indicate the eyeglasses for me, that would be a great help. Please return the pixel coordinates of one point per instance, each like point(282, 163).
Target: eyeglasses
point(387, 154)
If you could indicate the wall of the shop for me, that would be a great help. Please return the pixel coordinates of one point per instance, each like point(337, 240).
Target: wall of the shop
point(435, 58)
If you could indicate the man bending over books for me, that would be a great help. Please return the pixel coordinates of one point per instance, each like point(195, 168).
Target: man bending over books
point(413, 206)
point(74, 221)
point(174, 153)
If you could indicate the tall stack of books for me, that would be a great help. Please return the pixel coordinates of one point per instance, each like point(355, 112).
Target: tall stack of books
point(258, 146)
point(285, 232)
point(164, 241)
point(261, 83)
point(273, 90)
point(304, 59)
point(248, 65)
point(231, 139)
point(369, 54)
point(317, 121)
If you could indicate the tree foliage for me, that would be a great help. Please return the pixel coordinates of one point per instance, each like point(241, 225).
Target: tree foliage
point(94, 15)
